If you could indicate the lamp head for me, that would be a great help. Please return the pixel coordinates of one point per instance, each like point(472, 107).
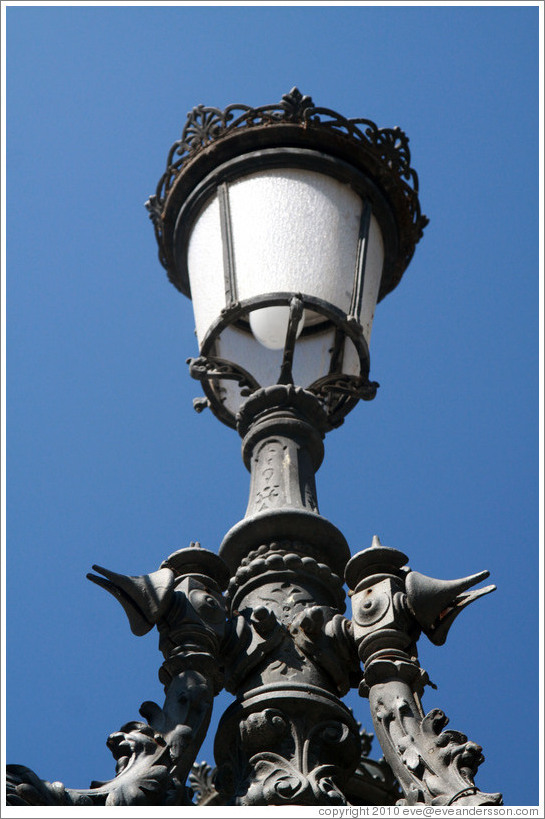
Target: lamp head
point(258, 205)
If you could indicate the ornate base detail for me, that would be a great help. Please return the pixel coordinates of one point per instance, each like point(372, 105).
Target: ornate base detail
point(372, 783)
point(287, 746)
point(287, 623)
point(434, 767)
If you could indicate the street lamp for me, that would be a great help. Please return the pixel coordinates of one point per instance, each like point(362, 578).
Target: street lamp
point(285, 225)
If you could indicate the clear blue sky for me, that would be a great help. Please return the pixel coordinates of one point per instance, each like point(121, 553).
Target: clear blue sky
point(107, 462)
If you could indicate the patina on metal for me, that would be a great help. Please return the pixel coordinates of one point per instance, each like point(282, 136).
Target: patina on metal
point(265, 619)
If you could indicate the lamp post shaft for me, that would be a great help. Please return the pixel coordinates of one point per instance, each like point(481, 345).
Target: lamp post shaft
point(282, 429)
point(283, 451)
point(288, 739)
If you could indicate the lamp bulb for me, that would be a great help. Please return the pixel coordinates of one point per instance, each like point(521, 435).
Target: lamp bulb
point(270, 325)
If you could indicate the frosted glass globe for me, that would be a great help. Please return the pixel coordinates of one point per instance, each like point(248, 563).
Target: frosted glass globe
point(270, 325)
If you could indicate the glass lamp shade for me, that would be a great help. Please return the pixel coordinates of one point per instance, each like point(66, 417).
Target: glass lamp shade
point(293, 231)
point(266, 236)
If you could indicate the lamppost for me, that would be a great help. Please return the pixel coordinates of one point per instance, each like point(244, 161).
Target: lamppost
point(285, 225)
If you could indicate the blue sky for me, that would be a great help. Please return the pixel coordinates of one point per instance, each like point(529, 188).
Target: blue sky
point(107, 462)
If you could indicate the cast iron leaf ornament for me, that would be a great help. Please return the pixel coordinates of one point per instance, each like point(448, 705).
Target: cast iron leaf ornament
point(409, 754)
point(295, 105)
point(432, 766)
point(201, 779)
point(393, 144)
point(203, 125)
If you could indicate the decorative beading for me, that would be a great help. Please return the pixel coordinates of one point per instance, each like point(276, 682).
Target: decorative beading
point(285, 555)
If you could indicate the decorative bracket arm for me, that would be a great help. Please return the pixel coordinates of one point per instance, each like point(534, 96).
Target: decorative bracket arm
point(391, 605)
point(183, 599)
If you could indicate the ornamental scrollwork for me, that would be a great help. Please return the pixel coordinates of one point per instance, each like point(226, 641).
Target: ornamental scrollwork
point(201, 780)
point(144, 776)
point(216, 369)
point(277, 781)
point(292, 761)
point(438, 767)
point(351, 386)
point(205, 124)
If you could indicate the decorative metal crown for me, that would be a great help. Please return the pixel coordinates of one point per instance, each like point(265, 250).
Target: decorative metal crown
point(390, 146)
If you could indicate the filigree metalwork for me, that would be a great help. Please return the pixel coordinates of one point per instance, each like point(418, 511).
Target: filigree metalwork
point(206, 124)
point(278, 639)
point(217, 369)
point(201, 780)
point(387, 150)
point(338, 392)
point(342, 391)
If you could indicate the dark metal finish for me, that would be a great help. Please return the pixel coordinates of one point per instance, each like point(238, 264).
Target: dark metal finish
point(337, 391)
point(287, 740)
point(183, 600)
point(282, 428)
point(287, 745)
point(372, 783)
point(279, 642)
point(218, 147)
point(296, 314)
point(390, 606)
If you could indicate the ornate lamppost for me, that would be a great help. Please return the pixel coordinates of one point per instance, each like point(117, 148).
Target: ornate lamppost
point(285, 224)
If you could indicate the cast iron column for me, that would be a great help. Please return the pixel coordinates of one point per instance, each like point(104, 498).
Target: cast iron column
point(287, 739)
